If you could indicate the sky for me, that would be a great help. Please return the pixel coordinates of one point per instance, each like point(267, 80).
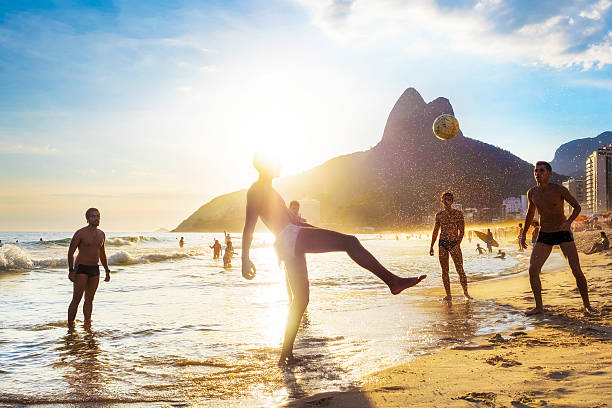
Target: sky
point(148, 110)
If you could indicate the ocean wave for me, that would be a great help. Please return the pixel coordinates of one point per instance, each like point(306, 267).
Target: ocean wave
point(124, 258)
point(129, 240)
point(13, 257)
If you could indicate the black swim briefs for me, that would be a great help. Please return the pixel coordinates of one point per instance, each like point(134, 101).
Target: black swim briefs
point(448, 245)
point(555, 238)
point(89, 270)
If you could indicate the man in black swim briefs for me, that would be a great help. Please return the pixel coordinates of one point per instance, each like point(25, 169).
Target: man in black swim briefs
point(453, 228)
point(555, 229)
point(86, 274)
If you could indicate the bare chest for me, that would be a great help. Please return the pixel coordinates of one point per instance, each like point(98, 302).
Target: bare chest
point(548, 201)
point(89, 240)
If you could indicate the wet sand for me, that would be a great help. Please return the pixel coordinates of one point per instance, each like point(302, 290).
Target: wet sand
point(563, 359)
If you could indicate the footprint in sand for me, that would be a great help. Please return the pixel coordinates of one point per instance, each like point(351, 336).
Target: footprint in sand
point(559, 375)
point(504, 361)
point(486, 398)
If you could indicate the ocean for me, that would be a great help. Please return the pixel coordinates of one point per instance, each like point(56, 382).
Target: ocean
point(174, 328)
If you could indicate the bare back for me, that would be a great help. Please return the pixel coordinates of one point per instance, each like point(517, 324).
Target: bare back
point(267, 204)
point(89, 241)
point(451, 224)
point(549, 202)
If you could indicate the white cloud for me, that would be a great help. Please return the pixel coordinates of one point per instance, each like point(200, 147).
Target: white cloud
point(17, 148)
point(561, 36)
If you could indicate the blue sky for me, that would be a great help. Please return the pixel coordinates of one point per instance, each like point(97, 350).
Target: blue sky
point(148, 110)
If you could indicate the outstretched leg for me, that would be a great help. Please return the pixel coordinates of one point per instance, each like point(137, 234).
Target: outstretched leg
point(317, 240)
point(457, 256)
point(443, 258)
point(539, 255)
point(297, 277)
point(571, 253)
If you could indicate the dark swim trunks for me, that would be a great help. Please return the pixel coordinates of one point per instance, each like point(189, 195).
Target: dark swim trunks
point(448, 245)
point(89, 270)
point(555, 238)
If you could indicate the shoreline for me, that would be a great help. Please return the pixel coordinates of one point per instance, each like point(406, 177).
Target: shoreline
point(564, 358)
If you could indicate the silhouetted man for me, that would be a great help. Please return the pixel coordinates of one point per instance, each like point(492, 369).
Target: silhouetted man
point(85, 272)
point(554, 230)
point(450, 222)
point(293, 240)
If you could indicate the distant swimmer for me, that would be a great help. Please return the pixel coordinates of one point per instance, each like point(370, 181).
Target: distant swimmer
point(216, 247)
point(41, 240)
point(85, 272)
point(500, 254)
point(295, 239)
point(227, 256)
point(548, 198)
point(182, 242)
point(479, 249)
point(452, 228)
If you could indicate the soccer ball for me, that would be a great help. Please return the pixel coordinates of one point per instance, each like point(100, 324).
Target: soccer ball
point(445, 127)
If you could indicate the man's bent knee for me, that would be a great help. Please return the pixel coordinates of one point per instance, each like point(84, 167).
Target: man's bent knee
point(352, 241)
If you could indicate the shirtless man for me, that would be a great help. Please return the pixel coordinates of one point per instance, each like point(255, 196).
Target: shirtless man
point(293, 240)
point(452, 226)
point(85, 272)
point(554, 230)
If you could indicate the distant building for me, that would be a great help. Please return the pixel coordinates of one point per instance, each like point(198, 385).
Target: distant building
point(577, 188)
point(513, 207)
point(599, 180)
point(469, 214)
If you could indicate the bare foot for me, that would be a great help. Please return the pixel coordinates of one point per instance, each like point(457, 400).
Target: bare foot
point(534, 311)
point(285, 361)
point(468, 297)
point(590, 310)
point(405, 283)
point(447, 298)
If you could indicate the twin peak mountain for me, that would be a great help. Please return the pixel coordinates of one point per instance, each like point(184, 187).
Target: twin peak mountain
point(393, 184)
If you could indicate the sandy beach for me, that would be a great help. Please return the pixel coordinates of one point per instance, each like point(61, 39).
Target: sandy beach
point(564, 359)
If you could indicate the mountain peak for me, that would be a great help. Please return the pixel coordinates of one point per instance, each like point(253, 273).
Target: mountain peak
point(409, 123)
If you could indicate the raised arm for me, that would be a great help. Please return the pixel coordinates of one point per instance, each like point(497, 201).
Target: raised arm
point(434, 235)
point(528, 218)
point(74, 243)
point(253, 209)
point(103, 259)
point(571, 200)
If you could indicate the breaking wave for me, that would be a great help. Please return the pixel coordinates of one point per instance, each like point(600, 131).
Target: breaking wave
point(130, 240)
point(12, 257)
point(124, 258)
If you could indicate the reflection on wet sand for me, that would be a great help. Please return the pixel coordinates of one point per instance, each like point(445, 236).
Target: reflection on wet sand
point(79, 353)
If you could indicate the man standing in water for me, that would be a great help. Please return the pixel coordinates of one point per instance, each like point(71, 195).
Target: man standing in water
point(85, 272)
point(554, 230)
point(452, 226)
point(295, 239)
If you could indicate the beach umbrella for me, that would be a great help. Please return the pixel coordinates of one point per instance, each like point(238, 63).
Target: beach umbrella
point(581, 218)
